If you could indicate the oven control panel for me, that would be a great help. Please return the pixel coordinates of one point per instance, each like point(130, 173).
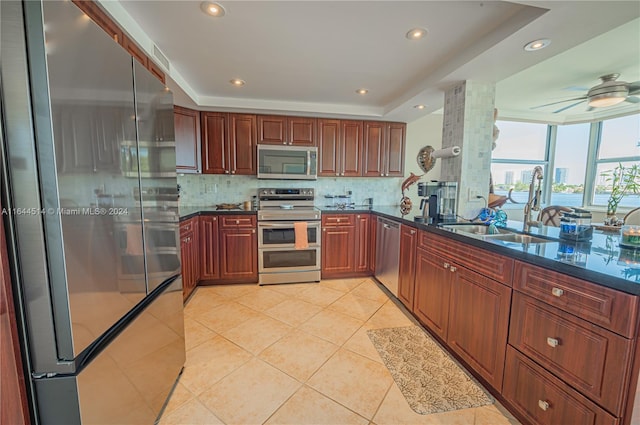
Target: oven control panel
point(286, 194)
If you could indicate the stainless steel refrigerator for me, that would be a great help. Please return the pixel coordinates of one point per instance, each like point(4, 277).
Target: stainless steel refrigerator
point(89, 185)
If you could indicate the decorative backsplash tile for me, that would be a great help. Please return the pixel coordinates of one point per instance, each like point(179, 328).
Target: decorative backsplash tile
point(211, 189)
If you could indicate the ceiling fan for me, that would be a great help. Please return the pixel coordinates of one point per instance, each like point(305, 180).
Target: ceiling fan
point(608, 93)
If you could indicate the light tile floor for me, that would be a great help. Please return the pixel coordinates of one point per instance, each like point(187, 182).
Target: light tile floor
point(296, 354)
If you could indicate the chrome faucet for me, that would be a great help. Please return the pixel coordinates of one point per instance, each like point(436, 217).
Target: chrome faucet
point(533, 202)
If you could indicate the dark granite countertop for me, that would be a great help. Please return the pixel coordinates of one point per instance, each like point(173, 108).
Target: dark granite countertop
point(186, 212)
point(600, 260)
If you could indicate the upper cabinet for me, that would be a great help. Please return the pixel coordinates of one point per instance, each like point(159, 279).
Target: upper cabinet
point(228, 143)
point(340, 148)
point(187, 130)
point(384, 149)
point(283, 130)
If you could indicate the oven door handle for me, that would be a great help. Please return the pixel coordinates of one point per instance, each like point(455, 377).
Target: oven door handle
point(285, 225)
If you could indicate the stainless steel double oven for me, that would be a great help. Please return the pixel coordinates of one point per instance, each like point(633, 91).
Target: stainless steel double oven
point(279, 261)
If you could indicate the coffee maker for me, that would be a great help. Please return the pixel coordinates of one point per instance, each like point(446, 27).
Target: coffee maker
point(439, 201)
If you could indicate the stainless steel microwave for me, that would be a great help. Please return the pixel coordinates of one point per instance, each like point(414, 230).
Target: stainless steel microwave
point(287, 162)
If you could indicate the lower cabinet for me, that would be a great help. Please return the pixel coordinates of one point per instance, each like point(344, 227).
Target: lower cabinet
point(346, 245)
point(406, 279)
point(209, 248)
point(238, 249)
point(541, 398)
point(189, 250)
point(468, 311)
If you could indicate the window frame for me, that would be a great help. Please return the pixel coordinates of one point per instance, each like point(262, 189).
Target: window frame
point(595, 140)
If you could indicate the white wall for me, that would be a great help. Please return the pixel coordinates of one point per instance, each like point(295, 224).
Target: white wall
point(422, 132)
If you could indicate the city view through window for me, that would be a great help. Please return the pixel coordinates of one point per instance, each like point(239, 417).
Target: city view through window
point(571, 179)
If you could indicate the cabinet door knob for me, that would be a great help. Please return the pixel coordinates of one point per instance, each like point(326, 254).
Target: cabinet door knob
point(237, 221)
point(233, 172)
point(557, 292)
point(552, 342)
point(358, 216)
point(253, 230)
point(215, 218)
point(446, 265)
point(413, 232)
point(544, 405)
point(284, 142)
point(381, 174)
point(453, 269)
point(342, 174)
point(338, 220)
point(324, 229)
point(226, 171)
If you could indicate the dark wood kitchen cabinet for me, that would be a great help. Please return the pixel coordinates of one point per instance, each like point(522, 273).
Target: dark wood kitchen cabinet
point(228, 143)
point(384, 144)
point(406, 278)
point(238, 248)
point(338, 245)
point(189, 252)
point(541, 398)
point(284, 130)
point(339, 148)
point(345, 245)
point(362, 242)
point(467, 310)
point(209, 248)
point(373, 225)
point(187, 131)
point(14, 408)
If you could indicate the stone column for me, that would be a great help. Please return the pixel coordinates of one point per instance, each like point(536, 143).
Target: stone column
point(468, 123)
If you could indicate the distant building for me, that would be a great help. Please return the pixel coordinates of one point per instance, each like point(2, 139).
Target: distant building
point(561, 175)
point(508, 177)
point(525, 176)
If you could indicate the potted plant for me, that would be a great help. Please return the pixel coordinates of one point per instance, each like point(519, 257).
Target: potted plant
point(623, 181)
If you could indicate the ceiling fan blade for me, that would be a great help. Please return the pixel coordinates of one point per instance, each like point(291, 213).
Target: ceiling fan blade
point(634, 88)
point(570, 106)
point(632, 99)
point(561, 101)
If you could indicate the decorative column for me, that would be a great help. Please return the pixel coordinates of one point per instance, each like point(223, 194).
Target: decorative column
point(468, 123)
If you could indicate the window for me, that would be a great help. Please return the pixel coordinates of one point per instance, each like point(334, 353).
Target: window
point(569, 159)
point(619, 144)
point(519, 148)
point(573, 158)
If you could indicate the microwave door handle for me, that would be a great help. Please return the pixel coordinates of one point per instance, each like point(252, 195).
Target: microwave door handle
point(308, 162)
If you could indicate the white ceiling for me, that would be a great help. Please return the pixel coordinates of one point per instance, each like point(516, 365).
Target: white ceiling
point(309, 57)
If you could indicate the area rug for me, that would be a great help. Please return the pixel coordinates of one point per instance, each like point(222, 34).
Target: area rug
point(428, 377)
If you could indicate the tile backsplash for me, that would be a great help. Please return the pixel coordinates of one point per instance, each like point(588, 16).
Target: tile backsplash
point(212, 189)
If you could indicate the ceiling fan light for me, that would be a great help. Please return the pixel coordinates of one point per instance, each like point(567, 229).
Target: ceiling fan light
point(603, 100)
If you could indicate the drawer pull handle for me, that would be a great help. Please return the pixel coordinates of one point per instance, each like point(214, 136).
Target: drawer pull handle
point(446, 265)
point(453, 269)
point(557, 292)
point(552, 342)
point(413, 232)
point(543, 405)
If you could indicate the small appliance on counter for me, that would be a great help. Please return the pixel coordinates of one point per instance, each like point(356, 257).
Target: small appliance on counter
point(576, 225)
point(439, 203)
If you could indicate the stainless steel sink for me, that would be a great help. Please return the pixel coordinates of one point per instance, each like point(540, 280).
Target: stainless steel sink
point(481, 231)
point(475, 229)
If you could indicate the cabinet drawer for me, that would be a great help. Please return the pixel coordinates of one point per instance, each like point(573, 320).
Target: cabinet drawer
point(611, 309)
point(487, 263)
point(543, 399)
point(187, 226)
point(338, 220)
point(590, 359)
point(235, 221)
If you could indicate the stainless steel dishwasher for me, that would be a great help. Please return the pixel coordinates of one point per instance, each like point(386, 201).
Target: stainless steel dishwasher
point(388, 254)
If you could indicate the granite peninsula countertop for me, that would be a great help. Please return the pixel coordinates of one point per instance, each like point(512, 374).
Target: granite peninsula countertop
point(601, 260)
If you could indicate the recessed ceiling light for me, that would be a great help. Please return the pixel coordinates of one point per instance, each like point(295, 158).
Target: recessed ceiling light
point(537, 44)
point(362, 91)
point(213, 9)
point(419, 106)
point(237, 82)
point(416, 33)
